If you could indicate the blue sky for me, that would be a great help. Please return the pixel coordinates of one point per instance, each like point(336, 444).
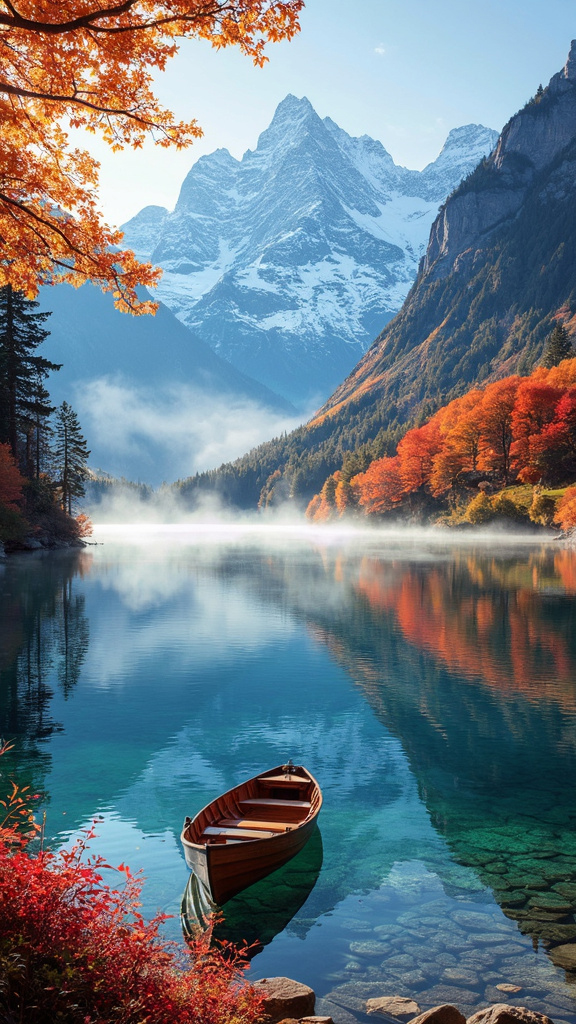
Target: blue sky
point(402, 71)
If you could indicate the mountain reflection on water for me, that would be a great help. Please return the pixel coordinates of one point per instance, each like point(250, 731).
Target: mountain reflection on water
point(432, 691)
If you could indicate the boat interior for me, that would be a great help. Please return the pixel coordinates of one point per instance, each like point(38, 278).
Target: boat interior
point(265, 806)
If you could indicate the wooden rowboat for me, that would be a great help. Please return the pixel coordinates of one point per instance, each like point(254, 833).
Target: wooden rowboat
point(251, 830)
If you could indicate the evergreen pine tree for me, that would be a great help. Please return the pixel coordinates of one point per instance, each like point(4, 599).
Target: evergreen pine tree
point(557, 347)
point(21, 372)
point(70, 456)
point(38, 431)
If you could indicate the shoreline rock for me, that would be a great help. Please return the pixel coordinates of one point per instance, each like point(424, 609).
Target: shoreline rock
point(290, 1002)
point(285, 999)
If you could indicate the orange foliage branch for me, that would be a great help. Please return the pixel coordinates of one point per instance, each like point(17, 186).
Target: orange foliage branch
point(91, 66)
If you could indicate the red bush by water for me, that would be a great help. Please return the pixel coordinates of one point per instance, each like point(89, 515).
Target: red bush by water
point(73, 949)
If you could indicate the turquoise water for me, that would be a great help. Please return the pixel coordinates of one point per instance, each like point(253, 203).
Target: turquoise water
point(431, 689)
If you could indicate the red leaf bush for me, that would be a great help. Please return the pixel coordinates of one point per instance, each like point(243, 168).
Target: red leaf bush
point(74, 950)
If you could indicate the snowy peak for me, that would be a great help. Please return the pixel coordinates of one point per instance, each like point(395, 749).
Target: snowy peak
point(144, 230)
point(464, 144)
point(464, 148)
point(289, 261)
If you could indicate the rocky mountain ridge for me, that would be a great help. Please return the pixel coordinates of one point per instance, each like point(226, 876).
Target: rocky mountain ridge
point(289, 261)
point(530, 141)
point(497, 271)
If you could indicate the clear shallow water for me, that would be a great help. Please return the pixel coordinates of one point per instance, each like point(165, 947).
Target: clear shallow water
point(430, 689)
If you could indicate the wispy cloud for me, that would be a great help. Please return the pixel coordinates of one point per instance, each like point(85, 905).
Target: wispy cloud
point(380, 49)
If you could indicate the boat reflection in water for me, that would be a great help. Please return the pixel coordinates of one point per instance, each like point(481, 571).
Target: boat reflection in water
point(262, 911)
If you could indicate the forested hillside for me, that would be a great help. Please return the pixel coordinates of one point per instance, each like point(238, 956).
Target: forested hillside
point(459, 466)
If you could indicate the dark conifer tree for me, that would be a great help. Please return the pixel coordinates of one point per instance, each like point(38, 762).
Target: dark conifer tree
point(558, 347)
point(70, 456)
point(21, 371)
point(38, 432)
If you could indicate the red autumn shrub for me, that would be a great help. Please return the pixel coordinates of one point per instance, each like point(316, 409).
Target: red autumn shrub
point(74, 950)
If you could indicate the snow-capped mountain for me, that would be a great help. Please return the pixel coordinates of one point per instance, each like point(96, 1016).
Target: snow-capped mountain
point(290, 261)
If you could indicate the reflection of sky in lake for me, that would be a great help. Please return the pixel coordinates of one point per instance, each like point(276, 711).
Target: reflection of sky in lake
point(430, 690)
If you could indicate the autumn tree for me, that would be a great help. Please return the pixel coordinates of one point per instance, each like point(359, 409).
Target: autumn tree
point(416, 452)
point(552, 452)
point(380, 489)
point(70, 456)
point(496, 411)
point(534, 409)
point(22, 371)
point(90, 64)
point(566, 510)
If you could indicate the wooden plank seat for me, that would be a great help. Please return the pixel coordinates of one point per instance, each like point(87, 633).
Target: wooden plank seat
point(264, 801)
point(237, 833)
point(257, 823)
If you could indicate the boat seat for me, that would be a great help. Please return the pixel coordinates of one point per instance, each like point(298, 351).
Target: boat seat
point(260, 801)
point(237, 833)
point(253, 823)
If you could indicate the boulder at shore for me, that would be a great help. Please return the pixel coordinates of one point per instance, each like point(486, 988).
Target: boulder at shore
point(285, 998)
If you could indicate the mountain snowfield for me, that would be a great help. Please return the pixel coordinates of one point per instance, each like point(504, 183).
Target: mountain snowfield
point(290, 261)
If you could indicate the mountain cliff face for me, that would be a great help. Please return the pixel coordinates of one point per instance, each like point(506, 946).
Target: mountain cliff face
point(529, 143)
point(497, 275)
point(498, 269)
point(289, 261)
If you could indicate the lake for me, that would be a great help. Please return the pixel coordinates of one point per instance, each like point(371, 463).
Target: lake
point(430, 686)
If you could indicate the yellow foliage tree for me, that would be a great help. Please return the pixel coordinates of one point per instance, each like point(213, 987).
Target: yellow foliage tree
point(89, 64)
point(566, 510)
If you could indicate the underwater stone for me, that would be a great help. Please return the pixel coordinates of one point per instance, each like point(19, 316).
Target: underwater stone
point(371, 947)
point(556, 872)
point(565, 956)
point(448, 994)
point(470, 919)
point(525, 881)
point(393, 1006)
point(456, 974)
point(551, 901)
point(336, 1012)
point(558, 933)
point(513, 898)
point(353, 994)
point(567, 889)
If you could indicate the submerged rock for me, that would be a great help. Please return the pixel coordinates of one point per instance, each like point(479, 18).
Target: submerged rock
point(393, 1006)
point(565, 956)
